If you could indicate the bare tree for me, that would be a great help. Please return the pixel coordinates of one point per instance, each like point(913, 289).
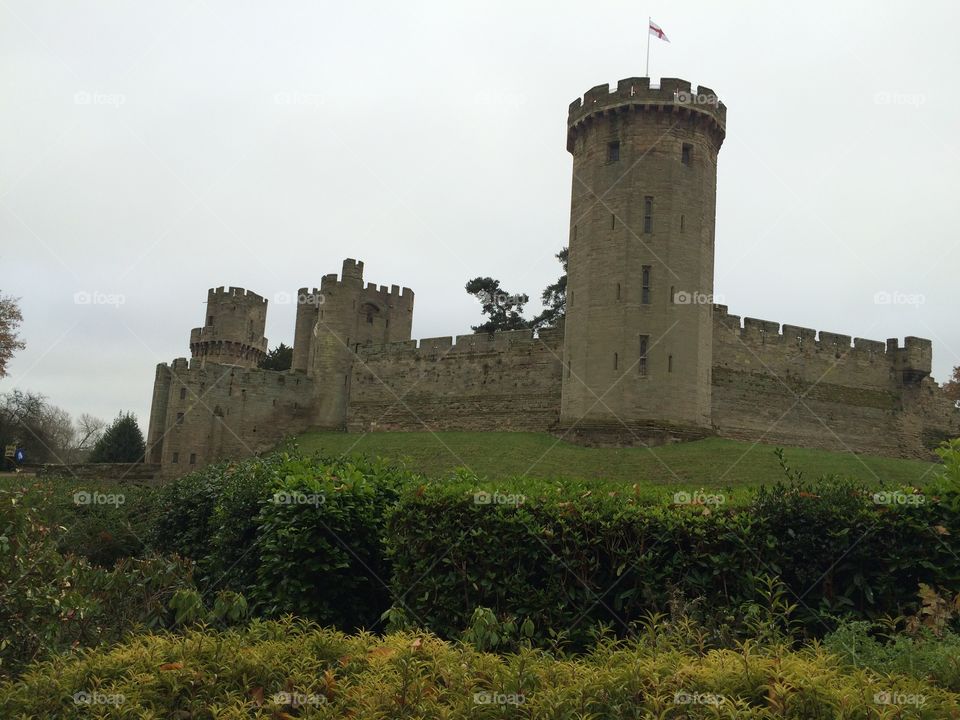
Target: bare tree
point(10, 342)
point(87, 431)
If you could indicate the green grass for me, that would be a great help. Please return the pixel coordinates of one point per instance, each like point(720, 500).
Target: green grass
point(712, 463)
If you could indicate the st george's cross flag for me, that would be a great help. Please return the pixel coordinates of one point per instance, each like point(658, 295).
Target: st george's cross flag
point(658, 31)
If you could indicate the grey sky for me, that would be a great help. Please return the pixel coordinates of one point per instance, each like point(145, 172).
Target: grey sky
point(152, 150)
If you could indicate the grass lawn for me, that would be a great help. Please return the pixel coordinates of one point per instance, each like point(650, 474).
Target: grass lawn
point(713, 463)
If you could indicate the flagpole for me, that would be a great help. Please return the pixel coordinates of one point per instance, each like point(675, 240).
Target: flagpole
point(648, 45)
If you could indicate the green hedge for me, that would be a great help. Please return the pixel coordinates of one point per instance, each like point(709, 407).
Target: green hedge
point(569, 558)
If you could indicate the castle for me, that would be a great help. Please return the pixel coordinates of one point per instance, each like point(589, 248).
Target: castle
point(644, 355)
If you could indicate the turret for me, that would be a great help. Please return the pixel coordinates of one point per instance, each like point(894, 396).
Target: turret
point(638, 332)
point(233, 329)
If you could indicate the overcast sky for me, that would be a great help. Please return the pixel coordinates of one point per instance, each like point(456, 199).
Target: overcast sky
point(149, 151)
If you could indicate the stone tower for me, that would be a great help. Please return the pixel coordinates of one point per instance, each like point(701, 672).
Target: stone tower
point(333, 321)
point(232, 333)
point(638, 340)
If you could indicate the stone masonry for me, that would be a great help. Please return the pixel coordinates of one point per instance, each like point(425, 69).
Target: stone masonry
point(643, 357)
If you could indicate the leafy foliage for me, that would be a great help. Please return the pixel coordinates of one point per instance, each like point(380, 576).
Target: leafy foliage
point(280, 358)
point(10, 342)
point(554, 297)
point(121, 442)
point(288, 668)
point(504, 310)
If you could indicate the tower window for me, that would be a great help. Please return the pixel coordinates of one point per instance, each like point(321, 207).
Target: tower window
point(618, 291)
point(210, 321)
point(673, 294)
point(648, 214)
point(179, 418)
point(685, 153)
point(616, 361)
point(613, 151)
point(645, 285)
point(193, 458)
point(176, 457)
point(669, 363)
point(681, 223)
point(642, 362)
point(183, 393)
point(613, 221)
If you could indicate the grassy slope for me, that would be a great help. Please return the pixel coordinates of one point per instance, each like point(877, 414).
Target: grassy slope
point(711, 463)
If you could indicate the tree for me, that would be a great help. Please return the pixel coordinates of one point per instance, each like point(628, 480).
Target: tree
point(504, 310)
point(280, 358)
point(952, 386)
point(122, 442)
point(554, 298)
point(44, 431)
point(10, 319)
point(87, 432)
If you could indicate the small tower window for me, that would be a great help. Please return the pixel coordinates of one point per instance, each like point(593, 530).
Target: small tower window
point(648, 214)
point(645, 285)
point(616, 361)
point(179, 418)
point(681, 223)
point(176, 457)
point(210, 320)
point(183, 393)
point(613, 221)
point(193, 458)
point(685, 153)
point(642, 362)
point(613, 151)
point(618, 291)
point(669, 363)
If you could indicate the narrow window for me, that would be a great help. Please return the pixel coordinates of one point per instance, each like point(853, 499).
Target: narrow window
point(645, 286)
point(648, 214)
point(574, 232)
point(210, 320)
point(673, 294)
point(179, 418)
point(616, 361)
point(642, 363)
point(569, 369)
point(685, 153)
point(618, 291)
point(681, 223)
point(193, 458)
point(183, 393)
point(570, 304)
point(613, 151)
point(669, 363)
point(176, 457)
point(613, 221)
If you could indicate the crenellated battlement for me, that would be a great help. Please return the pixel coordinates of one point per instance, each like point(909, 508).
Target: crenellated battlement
point(473, 343)
point(637, 94)
point(352, 275)
point(914, 358)
point(235, 294)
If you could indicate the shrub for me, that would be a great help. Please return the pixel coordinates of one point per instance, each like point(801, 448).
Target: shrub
point(294, 669)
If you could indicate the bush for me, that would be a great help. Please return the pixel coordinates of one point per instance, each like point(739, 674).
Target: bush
point(294, 669)
point(569, 559)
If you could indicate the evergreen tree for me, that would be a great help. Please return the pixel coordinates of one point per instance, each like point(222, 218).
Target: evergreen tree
point(122, 442)
point(504, 311)
point(280, 358)
point(554, 298)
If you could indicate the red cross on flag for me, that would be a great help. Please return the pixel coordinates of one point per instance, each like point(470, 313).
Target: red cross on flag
point(658, 31)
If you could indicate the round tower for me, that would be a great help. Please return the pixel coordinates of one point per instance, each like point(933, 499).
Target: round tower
point(639, 330)
point(232, 333)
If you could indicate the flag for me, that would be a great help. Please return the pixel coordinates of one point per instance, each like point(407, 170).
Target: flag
point(658, 31)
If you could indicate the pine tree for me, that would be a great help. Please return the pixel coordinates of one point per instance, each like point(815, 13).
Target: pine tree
point(122, 442)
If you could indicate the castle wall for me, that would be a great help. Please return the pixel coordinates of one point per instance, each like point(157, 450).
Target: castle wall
point(504, 381)
point(218, 411)
point(808, 389)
